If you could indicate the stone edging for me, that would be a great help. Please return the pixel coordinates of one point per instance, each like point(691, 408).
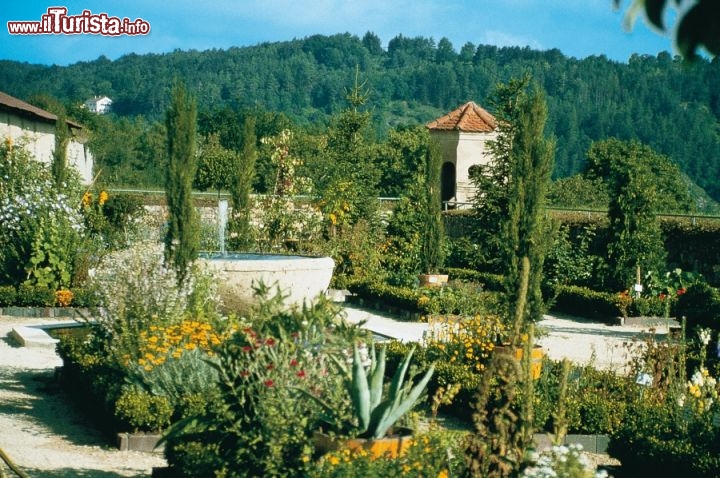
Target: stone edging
point(46, 312)
point(148, 442)
point(144, 442)
point(590, 443)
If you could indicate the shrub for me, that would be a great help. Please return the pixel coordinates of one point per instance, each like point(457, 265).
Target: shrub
point(700, 304)
point(260, 423)
point(586, 302)
point(559, 461)
point(141, 410)
point(487, 280)
point(35, 296)
point(83, 297)
point(8, 295)
point(41, 227)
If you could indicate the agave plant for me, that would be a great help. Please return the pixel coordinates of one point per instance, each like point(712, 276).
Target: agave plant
point(374, 413)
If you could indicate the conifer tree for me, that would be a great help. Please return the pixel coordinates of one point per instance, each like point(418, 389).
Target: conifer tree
point(183, 234)
point(241, 187)
point(512, 192)
point(433, 231)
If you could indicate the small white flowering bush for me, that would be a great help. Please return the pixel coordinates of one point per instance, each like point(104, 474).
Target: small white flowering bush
point(40, 223)
point(562, 462)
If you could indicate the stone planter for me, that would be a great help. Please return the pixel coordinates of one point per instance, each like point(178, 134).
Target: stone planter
point(299, 278)
point(433, 280)
point(390, 446)
point(145, 442)
point(536, 357)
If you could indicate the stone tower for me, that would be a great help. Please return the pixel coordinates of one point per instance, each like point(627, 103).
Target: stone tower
point(463, 135)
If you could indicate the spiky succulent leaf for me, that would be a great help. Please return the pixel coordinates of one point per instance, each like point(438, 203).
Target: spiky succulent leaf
point(399, 378)
point(377, 377)
point(398, 406)
point(360, 391)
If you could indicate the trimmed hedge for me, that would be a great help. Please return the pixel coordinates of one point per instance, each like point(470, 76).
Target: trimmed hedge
point(691, 242)
point(487, 280)
point(35, 296)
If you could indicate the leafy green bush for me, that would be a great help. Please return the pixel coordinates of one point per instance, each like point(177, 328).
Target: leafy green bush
point(700, 305)
point(35, 296)
point(83, 297)
point(261, 422)
point(584, 302)
point(657, 440)
point(141, 410)
point(41, 226)
point(487, 280)
point(457, 298)
point(8, 295)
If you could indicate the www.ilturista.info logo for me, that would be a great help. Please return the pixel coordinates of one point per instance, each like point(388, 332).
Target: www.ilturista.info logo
point(57, 22)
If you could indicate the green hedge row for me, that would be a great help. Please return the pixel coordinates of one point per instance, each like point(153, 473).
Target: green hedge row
point(691, 242)
point(34, 296)
point(573, 300)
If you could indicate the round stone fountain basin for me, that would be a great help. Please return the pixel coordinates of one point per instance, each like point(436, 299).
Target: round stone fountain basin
point(299, 278)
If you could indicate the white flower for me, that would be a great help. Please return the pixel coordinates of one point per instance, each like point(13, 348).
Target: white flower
point(705, 335)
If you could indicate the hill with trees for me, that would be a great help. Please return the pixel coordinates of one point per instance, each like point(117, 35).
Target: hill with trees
point(662, 102)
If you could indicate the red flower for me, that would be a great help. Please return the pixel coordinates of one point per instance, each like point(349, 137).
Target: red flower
point(293, 363)
point(662, 295)
point(301, 374)
point(247, 349)
point(681, 291)
point(270, 367)
point(270, 341)
point(269, 383)
point(244, 373)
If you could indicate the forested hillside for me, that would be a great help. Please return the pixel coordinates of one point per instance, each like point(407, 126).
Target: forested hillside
point(672, 107)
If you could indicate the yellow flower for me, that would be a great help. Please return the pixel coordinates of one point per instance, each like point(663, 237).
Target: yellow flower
point(87, 199)
point(103, 197)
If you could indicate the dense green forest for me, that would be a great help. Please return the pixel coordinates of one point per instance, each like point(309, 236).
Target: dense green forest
point(660, 101)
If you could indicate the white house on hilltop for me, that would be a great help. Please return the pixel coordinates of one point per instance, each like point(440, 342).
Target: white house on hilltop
point(98, 104)
point(35, 128)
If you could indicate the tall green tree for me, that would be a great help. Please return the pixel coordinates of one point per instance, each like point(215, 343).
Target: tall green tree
point(635, 241)
point(433, 256)
point(347, 180)
point(527, 230)
point(216, 168)
point(242, 178)
point(182, 239)
point(59, 155)
point(512, 195)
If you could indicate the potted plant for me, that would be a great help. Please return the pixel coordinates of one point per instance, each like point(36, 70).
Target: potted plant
point(374, 416)
point(433, 234)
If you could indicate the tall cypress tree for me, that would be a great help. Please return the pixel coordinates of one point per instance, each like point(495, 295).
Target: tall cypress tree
point(433, 232)
point(241, 187)
point(182, 239)
point(517, 182)
point(59, 156)
point(527, 229)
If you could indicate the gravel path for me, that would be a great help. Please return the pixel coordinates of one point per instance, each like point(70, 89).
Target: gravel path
point(40, 432)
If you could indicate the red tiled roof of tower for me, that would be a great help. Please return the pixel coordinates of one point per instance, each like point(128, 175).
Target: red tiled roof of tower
point(469, 118)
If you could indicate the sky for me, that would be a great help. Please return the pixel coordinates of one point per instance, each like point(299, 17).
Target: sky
point(578, 28)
